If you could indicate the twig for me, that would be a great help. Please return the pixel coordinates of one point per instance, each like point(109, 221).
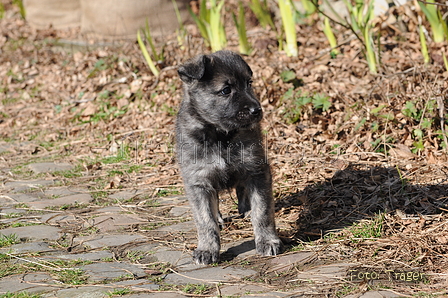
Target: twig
point(441, 107)
point(36, 263)
point(200, 279)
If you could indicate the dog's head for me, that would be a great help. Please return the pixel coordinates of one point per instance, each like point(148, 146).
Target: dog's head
point(219, 88)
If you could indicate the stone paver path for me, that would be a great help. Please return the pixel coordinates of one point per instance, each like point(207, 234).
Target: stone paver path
point(105, 251)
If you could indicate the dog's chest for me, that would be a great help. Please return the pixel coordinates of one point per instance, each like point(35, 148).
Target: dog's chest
point(235, 156)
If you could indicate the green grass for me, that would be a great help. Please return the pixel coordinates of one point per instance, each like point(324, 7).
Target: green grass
point(24, 224)
point(119, 292)
point(20, 295)
point(368, 229)
point(134, 256)
point(196, 289)
point(164, 192)
point(7, 240)
point(56, 268)
point(344, 290)
point(72, 276)
point(297, 103)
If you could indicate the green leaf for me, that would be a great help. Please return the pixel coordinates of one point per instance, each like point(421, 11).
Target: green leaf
point(287, 76)
point(418, 146)
point(389, 116)
point(418, 133)
point(427, 123)
point(376, 110)
point(321, 101)
point(360, 124)
point(288, 94)
point(410, 110)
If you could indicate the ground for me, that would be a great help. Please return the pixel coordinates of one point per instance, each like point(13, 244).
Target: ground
point(87, 152)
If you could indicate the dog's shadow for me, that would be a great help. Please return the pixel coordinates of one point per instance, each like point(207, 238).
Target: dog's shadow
point(360, 192)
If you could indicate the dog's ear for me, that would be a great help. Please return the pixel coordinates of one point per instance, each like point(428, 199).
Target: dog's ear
point(193, 69)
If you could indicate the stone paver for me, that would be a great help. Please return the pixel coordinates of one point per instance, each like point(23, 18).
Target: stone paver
point(88, 256)
point(22, 186)
point(157, 295)
point(125, 195)
point(101, 272)
point(283, 263)
point(180, 211)
point(118, 234)
point(376, 294)
point(49, 167)
point(34, 233)
point(28, 247)
point(6, 148)
point(75, 199)
point(32, 283)
point(209, 275)
point(135, 285)
point(16, 198)
point(243, 248)
point(113, 222)
point(326, 273)
point(183, 227)
point(81, 292)
point(176, 258)
point(110, 240)
point(236, 290)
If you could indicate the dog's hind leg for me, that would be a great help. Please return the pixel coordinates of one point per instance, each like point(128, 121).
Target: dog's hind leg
point(204, 203)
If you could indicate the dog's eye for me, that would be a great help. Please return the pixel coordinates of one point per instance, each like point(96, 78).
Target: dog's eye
point(249, 83)
point(226, 91)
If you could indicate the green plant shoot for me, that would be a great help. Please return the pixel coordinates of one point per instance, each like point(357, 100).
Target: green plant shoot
point(423, 45)
point(287, 14)
point(330, 36)
point(210, 24)
point(445, 61)
point(157, 56)
point(309, 7)
point(262, 13)
point(217, 32)
point(2, 10)
point(370, 56)
point(240, 24)
point(181, 32)
point(435, 19)
point(145, 53)
point(19, 4)
point(361, 21)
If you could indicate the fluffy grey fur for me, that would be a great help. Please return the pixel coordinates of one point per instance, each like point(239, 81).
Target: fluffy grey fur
point(219, 146)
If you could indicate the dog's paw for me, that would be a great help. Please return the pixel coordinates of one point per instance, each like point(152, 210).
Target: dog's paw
point(204, 257)
point(269, 247)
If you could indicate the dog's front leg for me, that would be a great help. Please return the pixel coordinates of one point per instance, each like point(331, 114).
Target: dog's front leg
point(204, 203)
point(259, 192)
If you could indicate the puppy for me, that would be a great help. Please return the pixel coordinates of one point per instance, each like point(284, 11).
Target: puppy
point(219, 146)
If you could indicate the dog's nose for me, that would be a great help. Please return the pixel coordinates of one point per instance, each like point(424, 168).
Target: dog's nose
point(255, 111)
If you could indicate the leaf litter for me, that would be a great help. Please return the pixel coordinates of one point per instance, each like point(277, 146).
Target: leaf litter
point(346, 147)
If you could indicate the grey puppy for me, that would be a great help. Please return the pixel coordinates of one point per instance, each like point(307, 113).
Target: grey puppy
point(219, 146)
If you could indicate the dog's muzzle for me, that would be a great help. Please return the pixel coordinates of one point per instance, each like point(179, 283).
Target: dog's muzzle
point(250, 115)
